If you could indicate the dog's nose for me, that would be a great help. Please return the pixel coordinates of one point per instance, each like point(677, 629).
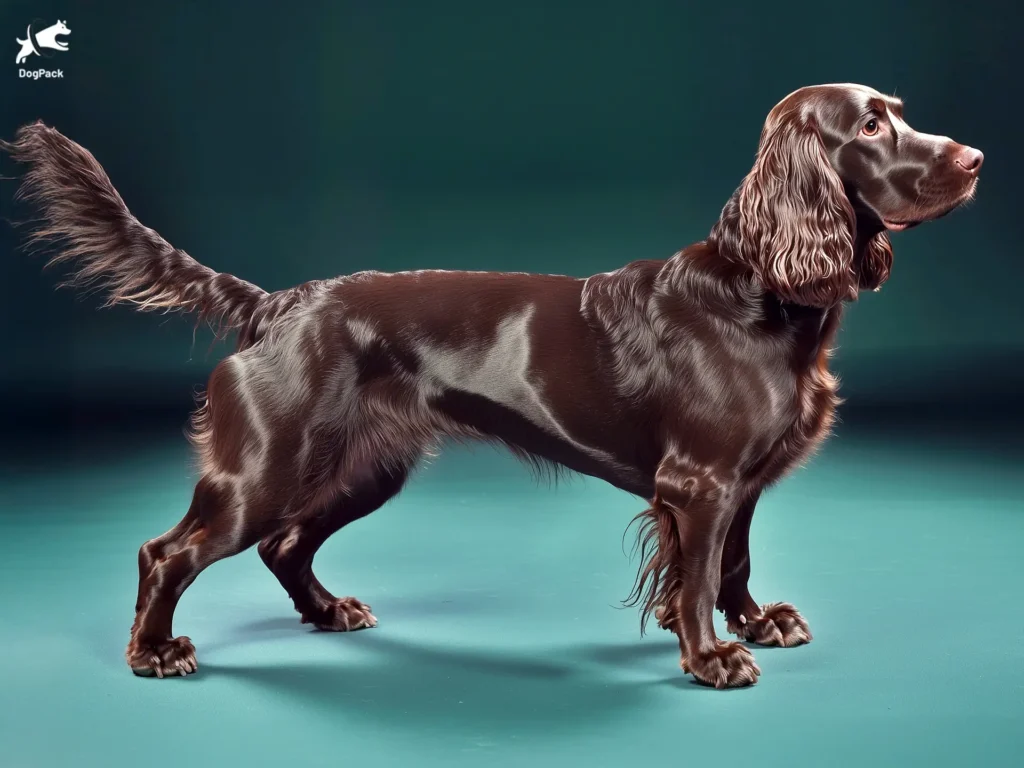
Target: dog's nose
point(970, 159)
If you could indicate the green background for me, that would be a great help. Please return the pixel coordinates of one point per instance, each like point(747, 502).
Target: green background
point(284, 145)
point(285, 142)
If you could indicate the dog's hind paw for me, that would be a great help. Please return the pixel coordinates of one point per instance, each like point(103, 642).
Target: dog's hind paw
point(779, 624)
point(345, 614)
point(167, 659)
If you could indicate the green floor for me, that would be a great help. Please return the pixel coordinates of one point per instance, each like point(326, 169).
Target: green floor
point(500, 640)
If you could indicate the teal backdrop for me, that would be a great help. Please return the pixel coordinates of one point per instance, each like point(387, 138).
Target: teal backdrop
point(288, 143)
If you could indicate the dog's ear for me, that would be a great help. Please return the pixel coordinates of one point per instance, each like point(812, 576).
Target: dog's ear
point(796, 224)
point(875, 262)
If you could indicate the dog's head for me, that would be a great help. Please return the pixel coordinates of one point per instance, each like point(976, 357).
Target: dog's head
point(57, 30)
point(837, 169)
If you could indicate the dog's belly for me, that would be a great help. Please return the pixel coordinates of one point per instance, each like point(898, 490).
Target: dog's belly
point(498, 421)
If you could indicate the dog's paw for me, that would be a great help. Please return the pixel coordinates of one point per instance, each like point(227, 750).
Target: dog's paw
point(167, 659)
point(729, 665)
point(345, 614)
point(779, 624)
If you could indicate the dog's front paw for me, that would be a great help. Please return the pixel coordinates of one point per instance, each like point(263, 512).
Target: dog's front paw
point(166, 659)
point(779, 624)
point(729, 665)
point(345, 614)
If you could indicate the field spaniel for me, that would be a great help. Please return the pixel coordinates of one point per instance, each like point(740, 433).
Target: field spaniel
point(694, 382)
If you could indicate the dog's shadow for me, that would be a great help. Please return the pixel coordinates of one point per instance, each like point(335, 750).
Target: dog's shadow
point(403, 681)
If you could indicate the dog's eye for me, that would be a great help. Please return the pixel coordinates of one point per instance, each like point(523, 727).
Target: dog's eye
point(870, 127)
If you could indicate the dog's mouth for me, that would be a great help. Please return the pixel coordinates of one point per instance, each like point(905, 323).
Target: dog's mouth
point(900, 226)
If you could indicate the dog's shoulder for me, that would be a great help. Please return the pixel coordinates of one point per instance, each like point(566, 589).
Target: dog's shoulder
point(609, 297)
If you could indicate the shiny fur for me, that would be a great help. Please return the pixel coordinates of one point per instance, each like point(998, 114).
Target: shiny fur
point(694, 382)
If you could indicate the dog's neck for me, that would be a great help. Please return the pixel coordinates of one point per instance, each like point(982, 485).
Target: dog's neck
point(725, 240)
point(725, 237)
point(724, 244)
point(720, 258)
point(722, 286)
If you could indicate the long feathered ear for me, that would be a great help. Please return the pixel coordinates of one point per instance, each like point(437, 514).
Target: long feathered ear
point(796, 224)
point(876, 262)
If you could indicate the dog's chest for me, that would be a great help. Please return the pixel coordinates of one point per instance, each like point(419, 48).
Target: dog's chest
point(815, 399)
point(760, 406)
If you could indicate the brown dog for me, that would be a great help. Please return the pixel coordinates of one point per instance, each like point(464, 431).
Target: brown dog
point(694, 382)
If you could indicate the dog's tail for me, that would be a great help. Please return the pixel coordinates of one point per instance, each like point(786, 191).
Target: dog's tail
point(85, 219)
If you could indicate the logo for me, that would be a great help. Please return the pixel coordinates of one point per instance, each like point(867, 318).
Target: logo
point(41, 41)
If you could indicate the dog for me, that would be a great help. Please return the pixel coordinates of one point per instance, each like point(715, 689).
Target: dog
point(45, 38)
point(694, 382)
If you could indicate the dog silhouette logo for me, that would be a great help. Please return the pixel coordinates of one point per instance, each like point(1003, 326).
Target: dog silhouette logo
point(40, 41)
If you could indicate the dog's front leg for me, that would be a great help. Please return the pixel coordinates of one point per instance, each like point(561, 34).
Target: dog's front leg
point(694, 506)
point(772, 624)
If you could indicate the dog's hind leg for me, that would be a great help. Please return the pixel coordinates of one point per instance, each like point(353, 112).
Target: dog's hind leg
point(246, 450)
point(211, 530)
point(289, 553)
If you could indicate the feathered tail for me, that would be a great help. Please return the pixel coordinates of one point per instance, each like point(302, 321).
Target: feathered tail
point(87, 222)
